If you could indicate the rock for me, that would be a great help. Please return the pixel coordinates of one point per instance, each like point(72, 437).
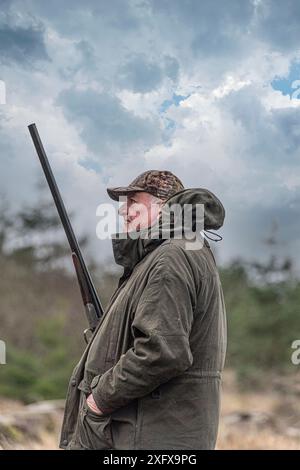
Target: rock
point(248, 417)
point(30, 423)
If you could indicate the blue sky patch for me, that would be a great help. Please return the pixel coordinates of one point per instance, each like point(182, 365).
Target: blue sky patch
point(175, 100)
point(286, 84)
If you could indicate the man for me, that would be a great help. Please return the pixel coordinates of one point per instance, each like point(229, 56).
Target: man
point(150, 375)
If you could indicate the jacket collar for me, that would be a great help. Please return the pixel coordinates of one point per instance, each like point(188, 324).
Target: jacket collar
point(131, 250)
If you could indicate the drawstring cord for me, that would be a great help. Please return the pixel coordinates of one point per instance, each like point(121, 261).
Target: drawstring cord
point(213, 233)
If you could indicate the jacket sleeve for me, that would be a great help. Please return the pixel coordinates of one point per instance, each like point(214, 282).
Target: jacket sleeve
point(161, 329)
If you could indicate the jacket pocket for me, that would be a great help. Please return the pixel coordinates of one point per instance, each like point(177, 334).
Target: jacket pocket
point(184, 416)
point(94, 430)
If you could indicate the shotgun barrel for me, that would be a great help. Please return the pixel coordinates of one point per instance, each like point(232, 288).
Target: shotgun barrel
point(92, 304)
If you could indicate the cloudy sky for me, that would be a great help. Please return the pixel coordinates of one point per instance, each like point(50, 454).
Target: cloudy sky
point(205, 88)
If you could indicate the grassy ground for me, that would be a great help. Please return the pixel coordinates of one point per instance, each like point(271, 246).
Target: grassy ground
point(267, 419)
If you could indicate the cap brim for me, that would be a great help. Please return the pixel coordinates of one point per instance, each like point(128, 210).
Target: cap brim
point(115, 193)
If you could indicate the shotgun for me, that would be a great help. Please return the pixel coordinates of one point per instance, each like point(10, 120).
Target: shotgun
point(92, 304)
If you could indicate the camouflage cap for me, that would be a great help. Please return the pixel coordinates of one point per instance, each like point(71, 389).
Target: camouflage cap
point(161, 184)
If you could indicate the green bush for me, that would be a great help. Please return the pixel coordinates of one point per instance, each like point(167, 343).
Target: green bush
point(32, 376)
point(263, 321)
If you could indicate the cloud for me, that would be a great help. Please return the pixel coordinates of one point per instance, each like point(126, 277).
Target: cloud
point(114, 15)
point(278, 23)
point(129, 85)
point(142, 75)
point(21, 45)
point(287, 122)
point(270, 136)
point(105, 125)
point(211, 32)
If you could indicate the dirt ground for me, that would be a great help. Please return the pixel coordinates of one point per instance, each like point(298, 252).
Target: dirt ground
point(268, 419)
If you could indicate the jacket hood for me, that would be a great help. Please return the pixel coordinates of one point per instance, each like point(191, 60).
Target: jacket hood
point(129, 251)
point(214, 212)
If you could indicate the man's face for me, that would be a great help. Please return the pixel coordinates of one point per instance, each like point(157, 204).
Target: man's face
point(140, 210)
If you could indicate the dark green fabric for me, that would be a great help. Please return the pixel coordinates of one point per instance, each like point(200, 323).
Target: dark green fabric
point(155, 361)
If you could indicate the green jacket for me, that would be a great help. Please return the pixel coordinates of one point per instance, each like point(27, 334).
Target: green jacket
point(155, 360)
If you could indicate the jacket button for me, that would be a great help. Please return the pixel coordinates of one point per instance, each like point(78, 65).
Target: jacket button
point(73, 382)
point(65, 442)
